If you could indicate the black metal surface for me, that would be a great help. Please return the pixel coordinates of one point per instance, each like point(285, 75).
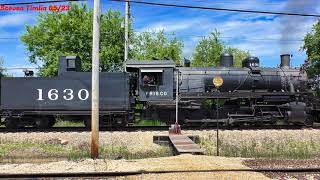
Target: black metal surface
point(238, 94)
point(22, 93)
point(251, 62)
point(196, 79)
point(285, 60)
point(226, 60)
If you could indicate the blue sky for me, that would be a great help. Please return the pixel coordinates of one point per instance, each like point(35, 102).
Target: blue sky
point(264, 36)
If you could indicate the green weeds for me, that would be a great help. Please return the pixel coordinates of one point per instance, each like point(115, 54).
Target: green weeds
point(268, 148)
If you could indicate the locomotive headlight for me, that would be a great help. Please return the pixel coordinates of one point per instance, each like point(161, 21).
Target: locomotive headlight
point(28, 73)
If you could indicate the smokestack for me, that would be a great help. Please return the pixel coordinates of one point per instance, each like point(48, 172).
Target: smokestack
point(285, 60)
point(226, 60)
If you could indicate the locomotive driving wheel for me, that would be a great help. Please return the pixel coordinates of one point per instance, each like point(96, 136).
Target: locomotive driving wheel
point(309, 121)
point(42, 122)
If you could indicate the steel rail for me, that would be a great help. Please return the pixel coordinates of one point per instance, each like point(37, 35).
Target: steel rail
point(154, 128)
point(131, 173)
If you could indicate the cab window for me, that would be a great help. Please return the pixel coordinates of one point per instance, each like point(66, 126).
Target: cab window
point(151, 77)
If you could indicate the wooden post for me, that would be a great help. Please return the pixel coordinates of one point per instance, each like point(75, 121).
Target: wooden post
point(95, 82)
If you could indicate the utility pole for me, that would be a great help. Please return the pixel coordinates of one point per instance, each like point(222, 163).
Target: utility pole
point(95, 82)
point(126, 35)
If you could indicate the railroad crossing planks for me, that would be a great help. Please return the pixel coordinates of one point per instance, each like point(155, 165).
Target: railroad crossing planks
point(183, 144)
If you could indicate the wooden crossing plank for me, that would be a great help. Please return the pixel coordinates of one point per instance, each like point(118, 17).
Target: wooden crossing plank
point(183, 144)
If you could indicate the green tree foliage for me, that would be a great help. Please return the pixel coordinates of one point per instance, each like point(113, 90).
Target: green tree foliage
point(209, 49)
point(312, 47)
point(149, 45)
point(70, 33)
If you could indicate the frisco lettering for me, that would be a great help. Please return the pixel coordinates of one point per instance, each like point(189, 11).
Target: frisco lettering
point(157, 93)
point(56, 8)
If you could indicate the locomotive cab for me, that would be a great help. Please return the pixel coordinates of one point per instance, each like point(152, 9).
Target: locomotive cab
point(154, 79)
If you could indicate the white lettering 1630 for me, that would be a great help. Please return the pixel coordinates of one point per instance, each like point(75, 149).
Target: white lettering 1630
point(53, 94)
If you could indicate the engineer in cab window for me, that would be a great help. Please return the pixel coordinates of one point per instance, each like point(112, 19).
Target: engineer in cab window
point(146, 80)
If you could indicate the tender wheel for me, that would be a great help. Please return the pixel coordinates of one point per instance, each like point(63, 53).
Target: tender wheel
point(52, 122)
point(11, 123)
point(87, 123)
point(42, 122)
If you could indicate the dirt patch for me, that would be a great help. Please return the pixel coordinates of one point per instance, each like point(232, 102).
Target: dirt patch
point(283, 164)
point(175, 163)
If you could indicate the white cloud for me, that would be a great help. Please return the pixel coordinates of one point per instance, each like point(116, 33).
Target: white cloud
point(17, 69)
point(259, 33)
point(173, 26)
point(16, 19)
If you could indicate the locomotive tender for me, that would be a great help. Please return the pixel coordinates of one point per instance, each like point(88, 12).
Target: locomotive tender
point(36, 101)
point(249, 95)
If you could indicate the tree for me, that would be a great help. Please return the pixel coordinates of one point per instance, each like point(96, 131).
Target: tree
point(70, 33)
point(312, 47)
point(149, 45)
point(209, 49)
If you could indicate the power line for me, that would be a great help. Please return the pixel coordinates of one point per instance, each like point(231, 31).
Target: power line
point(220, 9)
point(234, 2)
point(184, 35)
point(37, 2)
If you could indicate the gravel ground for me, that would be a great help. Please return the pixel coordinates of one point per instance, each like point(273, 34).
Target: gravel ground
point(143, 142)
point(134, 141)
point(194, 176)
point(181, 162)
point(275, 163)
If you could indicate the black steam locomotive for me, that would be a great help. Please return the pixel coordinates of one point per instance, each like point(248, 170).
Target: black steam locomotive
point(248, 95)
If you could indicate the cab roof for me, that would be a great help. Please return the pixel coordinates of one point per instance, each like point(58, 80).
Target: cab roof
point(150, 64)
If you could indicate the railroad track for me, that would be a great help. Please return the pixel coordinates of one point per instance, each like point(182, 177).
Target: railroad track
point(132, 173)
point(152, 128)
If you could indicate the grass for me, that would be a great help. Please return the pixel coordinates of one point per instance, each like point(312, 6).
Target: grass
point(61, 123)
point(32, 152)
point(117, 152)
point(267, 147)
point(26, 151)
point(122, 152)
point(149, 123)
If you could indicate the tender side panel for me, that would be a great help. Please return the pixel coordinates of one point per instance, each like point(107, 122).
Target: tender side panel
point(67, 92)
